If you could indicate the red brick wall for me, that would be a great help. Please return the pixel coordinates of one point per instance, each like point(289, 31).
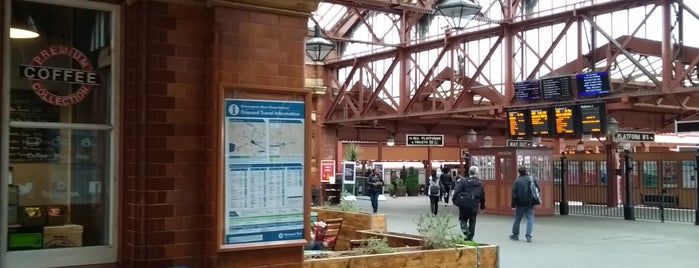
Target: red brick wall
point(165, 135)
point(261, 50)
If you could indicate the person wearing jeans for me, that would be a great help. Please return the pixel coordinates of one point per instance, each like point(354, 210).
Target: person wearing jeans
point(522, 203)
point(447, 181)
point(375, 188)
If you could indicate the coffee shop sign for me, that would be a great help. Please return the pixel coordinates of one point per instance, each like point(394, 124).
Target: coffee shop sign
point(39, 74)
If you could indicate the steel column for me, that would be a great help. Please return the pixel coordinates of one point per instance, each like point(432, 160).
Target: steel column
point(563, 205)
point(628, 202)
point(666, 47)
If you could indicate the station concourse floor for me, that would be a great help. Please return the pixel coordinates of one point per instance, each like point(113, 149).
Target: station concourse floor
point(563, 241)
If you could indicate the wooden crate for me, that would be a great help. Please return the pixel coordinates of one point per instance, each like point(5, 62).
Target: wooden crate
point(353, 222)
point(462, 257)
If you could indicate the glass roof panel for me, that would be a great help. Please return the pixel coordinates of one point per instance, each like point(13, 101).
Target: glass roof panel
point(328, 15)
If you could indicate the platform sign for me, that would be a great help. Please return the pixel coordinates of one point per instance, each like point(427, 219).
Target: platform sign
point(424, 140)
point(686, 126)
point(634, 136)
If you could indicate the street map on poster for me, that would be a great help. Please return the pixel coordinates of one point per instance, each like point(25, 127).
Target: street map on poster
point(263, 186)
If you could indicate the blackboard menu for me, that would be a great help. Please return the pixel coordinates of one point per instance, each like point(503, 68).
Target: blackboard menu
point(527, 90)
point(593, 118)
point(517, 123)
point(564, 120)
point(539, 119)
point(32, 144)
point(556, 88)
point(593, 84)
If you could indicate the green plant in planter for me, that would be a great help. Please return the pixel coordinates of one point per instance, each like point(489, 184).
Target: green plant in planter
point(438, 231)
point(351, 152)
point(411, 182)
point(347, 205)
point(377, 246)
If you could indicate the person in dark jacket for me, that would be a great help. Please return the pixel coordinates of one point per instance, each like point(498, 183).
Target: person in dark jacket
point(375, 188)
point(434, 195)
point(522, 203)
point(467, 215)
point(448, 181)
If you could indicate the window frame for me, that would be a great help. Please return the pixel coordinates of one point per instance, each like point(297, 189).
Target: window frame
point(76, 255)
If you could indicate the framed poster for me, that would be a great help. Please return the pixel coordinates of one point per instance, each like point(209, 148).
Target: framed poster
point(263, 172)
point(348, 173)
point(327, 170)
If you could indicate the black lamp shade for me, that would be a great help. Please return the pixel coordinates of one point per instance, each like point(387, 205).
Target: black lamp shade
point(317, 48)
point(22, 25)
point(457, 12)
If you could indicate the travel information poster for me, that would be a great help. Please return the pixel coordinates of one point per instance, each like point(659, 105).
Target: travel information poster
point(263, 186)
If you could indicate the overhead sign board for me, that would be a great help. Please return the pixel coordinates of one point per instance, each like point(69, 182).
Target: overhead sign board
point(634, 136)
point(424, 140)
point(686, 126)
point(520, 143)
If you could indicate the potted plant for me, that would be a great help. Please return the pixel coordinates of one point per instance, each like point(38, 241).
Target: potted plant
point(412, 184)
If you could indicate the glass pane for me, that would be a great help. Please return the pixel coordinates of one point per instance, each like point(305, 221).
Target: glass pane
point(557, 172)
point(573, 172)
point(670, 174)
point(650, 171)
point(689, 175)
point(64, 74)
point(487, 167)
point(66, 193)
point(588, 172)
point(603, 172)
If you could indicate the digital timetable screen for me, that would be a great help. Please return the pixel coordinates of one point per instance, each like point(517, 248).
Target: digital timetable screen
point(527, 90)
point(564, 118)
point(593, 118)
point(517, 123)
point(593, 84)
point(540, 121)
point(556, 88)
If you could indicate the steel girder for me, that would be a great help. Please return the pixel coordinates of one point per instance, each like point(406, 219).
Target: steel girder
point(422, 102)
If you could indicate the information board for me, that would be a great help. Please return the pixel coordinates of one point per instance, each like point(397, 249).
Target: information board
point(517, 123)
point(556, 88)
point(592, 118)
point(540, 121)
point(527, 90)
point(424, 140)
point(593, 84)
point(564, 120)
point(263, 189)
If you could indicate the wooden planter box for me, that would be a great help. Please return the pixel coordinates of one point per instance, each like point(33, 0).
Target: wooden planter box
point(353, 222)
point(393, 239)
point(485, 256)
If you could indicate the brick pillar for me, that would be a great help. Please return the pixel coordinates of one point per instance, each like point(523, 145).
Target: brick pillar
point(165, 135)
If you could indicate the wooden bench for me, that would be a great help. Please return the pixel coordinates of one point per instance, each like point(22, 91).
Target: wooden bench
point(670, 201)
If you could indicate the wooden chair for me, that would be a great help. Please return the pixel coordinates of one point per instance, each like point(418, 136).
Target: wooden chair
point(332, 231)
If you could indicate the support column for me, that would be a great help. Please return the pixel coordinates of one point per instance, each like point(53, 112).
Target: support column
point(666, 50)
point(628, 199)
point(612, 175)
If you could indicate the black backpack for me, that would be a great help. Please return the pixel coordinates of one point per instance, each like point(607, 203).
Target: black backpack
point(434, 189)
point(469, 198)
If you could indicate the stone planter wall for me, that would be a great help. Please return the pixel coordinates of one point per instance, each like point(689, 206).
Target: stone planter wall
point(353, 222)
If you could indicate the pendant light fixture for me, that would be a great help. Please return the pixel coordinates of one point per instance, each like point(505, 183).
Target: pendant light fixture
point(22, 25)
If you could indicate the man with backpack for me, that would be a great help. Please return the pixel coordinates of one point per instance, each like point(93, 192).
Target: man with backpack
point(469, 196)
point(447, 180)
point(524, 197)
point(435, 188)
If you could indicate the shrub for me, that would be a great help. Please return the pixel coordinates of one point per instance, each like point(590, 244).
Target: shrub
point(438, 231)
point(377, 246)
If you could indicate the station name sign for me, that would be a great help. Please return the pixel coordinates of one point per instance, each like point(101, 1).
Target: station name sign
point(424, 140)
point(520, 143)
point(634, 136)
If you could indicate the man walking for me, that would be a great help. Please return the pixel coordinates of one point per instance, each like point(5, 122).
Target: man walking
point(434, 190)
point(469, 196)
point(522, 202)
point(447, 181)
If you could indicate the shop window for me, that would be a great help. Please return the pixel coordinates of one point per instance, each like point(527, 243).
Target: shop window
point(61, 135)
point(670, 174)
point(650, 174)
point(689, 174)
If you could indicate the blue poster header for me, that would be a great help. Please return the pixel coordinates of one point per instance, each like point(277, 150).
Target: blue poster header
point(264, 109)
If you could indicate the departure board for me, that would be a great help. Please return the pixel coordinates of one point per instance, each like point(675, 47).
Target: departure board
point(517, 123)
point(527, 90)
point(593, 118)
point(556, 88)
point(593, 84)
point(539, 119)
point(564, 120)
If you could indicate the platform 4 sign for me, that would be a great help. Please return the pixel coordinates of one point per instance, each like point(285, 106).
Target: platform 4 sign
point(424, 140)
point(634, 136)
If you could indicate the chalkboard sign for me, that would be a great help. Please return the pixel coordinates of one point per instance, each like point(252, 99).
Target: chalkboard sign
point(33, 144)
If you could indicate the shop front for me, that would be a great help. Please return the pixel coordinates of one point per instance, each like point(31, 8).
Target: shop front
point(114, 119)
